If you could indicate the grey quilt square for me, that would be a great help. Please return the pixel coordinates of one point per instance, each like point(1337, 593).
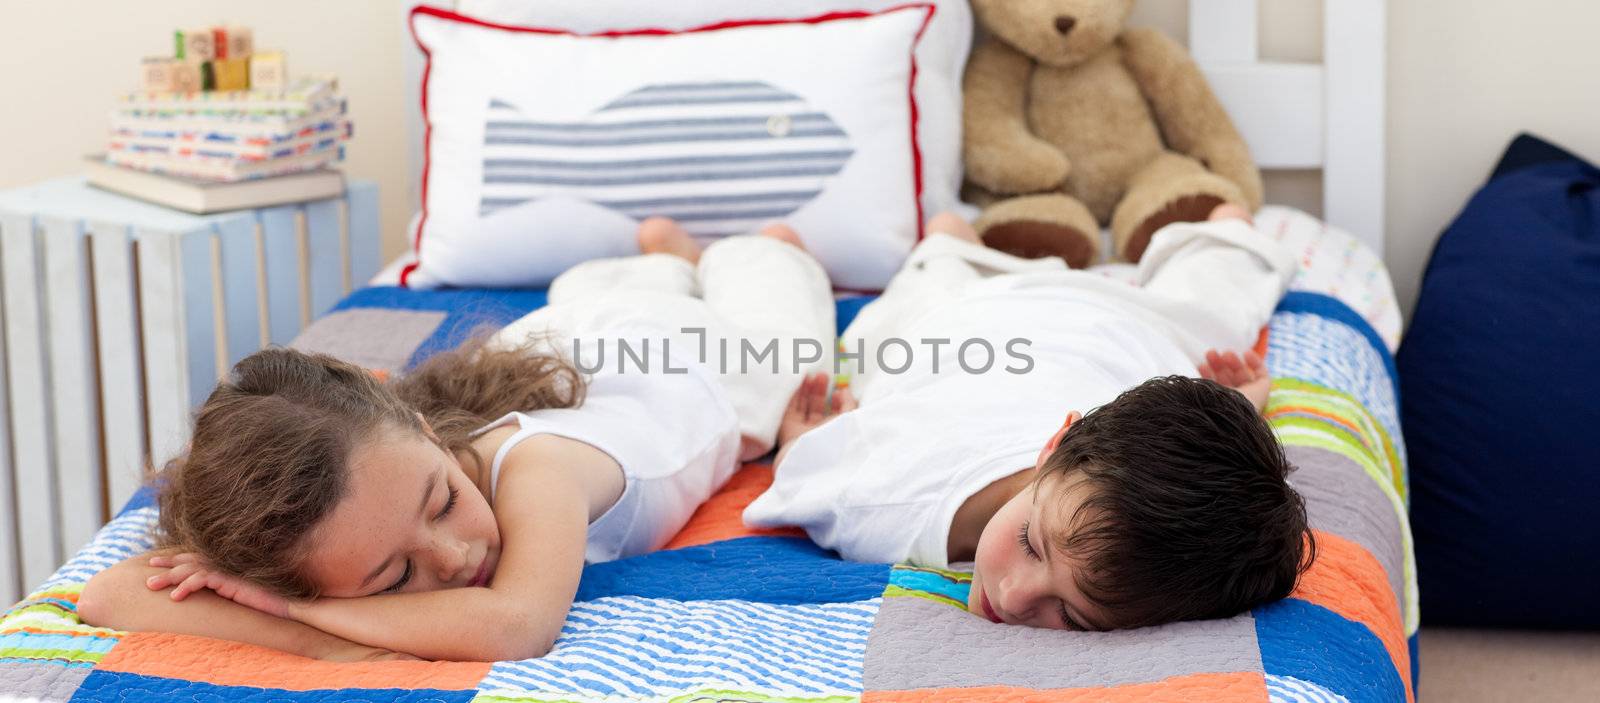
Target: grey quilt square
point(46, 683)
point(374, 338)
point(1343, 500)
point(917, 643)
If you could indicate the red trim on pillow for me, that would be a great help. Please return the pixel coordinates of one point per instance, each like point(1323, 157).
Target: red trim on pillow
point(911, 97)
point(427, 149)
point(427, 138)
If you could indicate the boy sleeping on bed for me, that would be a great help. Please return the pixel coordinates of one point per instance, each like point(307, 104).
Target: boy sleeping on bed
point(1166, 502)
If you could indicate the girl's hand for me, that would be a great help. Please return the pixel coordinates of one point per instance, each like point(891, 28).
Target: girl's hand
point(810, 407)
point(190, 572)
point(1248, 375)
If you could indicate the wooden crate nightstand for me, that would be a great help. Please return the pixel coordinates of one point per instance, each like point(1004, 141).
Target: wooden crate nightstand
point(119, 317)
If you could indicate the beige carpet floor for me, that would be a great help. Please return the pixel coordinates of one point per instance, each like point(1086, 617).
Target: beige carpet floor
point(1466, 666)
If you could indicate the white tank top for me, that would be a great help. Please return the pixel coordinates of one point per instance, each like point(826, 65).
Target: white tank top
point(675, 435)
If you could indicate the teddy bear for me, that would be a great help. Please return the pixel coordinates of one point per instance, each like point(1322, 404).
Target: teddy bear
point(1073, 122)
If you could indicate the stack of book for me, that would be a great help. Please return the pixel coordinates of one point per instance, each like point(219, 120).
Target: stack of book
point(219, 126)
point(231, 135)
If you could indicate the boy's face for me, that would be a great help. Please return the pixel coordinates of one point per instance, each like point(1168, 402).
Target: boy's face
point(1019, 576)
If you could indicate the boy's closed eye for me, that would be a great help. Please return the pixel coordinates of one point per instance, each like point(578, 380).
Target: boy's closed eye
point(1063, 611)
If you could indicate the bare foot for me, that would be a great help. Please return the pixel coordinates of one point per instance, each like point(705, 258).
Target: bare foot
point(1229, 211)
point(783, 233)
point(660, 235)
point(953, 225)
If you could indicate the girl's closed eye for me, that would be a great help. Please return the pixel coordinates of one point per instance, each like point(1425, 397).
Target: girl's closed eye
point(449, 503)
point(405, 577)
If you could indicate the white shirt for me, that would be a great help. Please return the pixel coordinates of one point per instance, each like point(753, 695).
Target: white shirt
point(882, 483)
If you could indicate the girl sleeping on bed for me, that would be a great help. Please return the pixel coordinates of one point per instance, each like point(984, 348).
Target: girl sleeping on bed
point(324, 513)
point(346, 518)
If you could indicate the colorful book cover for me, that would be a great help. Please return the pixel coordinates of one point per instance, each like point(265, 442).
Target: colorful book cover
point(302, 96)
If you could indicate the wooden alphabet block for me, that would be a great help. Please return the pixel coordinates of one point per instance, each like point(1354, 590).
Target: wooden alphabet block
point(198, 44)
point(185, 77)
point(156, 74)
point(240, 43)
point(231, 74)
point(269, 70)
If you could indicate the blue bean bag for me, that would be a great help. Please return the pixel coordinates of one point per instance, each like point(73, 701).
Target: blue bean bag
point(1500, 398)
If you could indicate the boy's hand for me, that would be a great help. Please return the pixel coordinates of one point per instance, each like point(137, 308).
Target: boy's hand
point(189, 572)
point(810, 407)
point(1248, 375)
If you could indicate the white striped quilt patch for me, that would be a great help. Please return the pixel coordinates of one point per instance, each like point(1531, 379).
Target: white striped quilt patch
point(130, 533)
point(657, 647)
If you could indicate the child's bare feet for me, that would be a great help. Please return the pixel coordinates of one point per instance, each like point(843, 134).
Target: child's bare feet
point(782, 233)
point(1229, 211)
point(953, 225)
point(660, 235)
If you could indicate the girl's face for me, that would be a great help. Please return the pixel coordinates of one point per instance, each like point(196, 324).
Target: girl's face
point(412, 521)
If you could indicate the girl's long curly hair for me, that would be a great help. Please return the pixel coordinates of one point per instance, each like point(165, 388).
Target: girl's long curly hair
point(271, 446)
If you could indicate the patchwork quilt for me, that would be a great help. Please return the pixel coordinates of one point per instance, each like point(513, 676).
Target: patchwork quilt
point(726, 613)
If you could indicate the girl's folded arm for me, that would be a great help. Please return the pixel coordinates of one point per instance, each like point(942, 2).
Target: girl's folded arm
point(543, 516)
point(117, 598)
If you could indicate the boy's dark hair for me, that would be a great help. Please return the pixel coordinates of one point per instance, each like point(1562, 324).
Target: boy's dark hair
point(1187, 514)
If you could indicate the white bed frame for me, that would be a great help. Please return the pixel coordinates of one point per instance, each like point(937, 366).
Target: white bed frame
point(1306, 116)
point(1293, 115)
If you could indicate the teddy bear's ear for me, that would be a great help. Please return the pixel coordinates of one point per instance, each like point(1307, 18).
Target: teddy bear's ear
point(1055, 32)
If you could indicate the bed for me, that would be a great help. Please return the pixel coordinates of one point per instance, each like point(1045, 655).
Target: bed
point(734, 614)
point(728, 613)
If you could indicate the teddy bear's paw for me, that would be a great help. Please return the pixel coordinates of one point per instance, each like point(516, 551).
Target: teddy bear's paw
point(1032, 239)
point(1189, 208)
point(1037, 226)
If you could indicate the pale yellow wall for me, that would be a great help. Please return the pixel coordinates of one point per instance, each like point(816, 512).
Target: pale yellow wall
point(1464, 77)
point(63, 62)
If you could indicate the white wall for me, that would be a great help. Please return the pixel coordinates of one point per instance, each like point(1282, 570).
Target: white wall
point(1464, 77)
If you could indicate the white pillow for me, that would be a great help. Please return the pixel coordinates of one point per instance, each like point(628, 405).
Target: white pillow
point(941, 58)
point(546, 147)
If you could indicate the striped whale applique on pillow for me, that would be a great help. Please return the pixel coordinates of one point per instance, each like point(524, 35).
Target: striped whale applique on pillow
point(545, 147)
point(722, 158)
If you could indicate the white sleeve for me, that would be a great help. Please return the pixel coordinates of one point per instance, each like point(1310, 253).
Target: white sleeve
point(808, 486)
point(821, 487)
point(811, 489)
